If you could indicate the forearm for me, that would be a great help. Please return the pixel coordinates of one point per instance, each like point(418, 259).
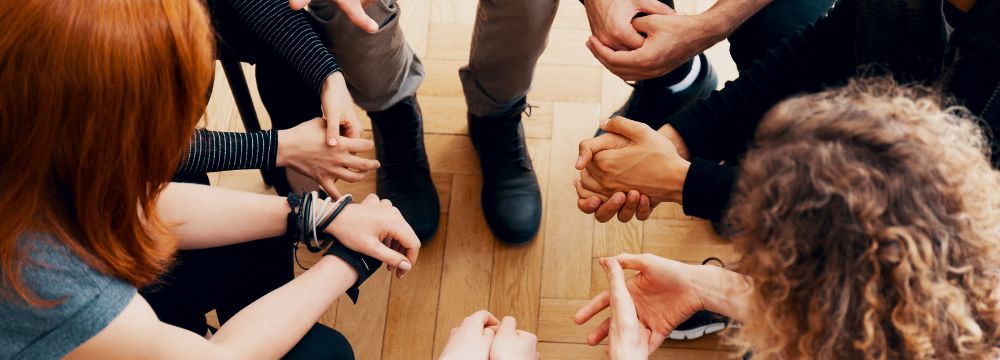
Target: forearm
point(725, 16)
point(724, 292)
point(721, 127)
point(203, 217)
point(212, 151)
point(269, 327)
point(290, 35)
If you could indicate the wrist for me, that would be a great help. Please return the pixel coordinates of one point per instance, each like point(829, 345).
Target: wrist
point(722, 291)
point(335, 78)
point(284, 142)
point(339, 267)
point(673, 183)
point(671, 134)
point(715, 27)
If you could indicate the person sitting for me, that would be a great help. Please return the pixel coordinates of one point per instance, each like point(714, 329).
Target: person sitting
point(90, 215)
point(867, 218)
point(949, 44)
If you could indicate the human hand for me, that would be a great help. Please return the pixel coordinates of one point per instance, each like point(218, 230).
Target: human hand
point(354, 9)
point(377, 229)
point(472, 339)
point(513, 344)
point(628, 339)
point(671, 40)
point(302, 148)
point(664, 295)
point(605, 206)
point(649, 164)
point(338, 110)
point(625, 205)
point(611, 20)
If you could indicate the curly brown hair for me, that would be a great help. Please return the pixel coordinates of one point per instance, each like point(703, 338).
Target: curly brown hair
point(868, 216)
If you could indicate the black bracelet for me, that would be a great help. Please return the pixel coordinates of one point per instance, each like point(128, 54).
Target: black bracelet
point(324, 241)
point(346, 200)
point(300, 231)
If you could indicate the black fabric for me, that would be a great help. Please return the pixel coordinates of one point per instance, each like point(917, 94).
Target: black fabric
point(283, 31)
point(229, 278)
point(772, 24)
point(212, 151)
point(321, 343)
point(364, 265)
point(721, 127)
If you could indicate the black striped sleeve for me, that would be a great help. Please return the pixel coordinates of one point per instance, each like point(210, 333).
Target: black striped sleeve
point(212, 151)
point(288, 32)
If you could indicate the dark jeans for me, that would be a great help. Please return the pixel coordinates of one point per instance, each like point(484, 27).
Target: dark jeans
point(229, 278)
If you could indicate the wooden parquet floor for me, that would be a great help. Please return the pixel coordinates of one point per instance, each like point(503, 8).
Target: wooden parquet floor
point(464, 268)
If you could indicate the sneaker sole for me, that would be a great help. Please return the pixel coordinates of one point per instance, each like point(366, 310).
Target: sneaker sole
point(697, 332)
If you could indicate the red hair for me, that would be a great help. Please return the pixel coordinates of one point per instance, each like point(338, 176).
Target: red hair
point(99, 100)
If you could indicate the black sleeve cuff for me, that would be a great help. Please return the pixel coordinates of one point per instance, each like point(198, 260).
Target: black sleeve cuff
point(707, 189)
point(365, 265)
point(212, 151)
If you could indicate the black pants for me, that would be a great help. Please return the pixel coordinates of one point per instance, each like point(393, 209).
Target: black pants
point(229, 278)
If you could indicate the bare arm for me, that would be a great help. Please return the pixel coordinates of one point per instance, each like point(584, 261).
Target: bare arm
point(723, 291)
point(727, 15)
point(266, 329)
point(205, 217)
point(672, 40)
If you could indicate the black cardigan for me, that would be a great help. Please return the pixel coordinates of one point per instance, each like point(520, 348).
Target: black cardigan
point(828, 53)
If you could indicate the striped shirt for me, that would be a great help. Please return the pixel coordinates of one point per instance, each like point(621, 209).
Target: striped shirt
point(289, 33)
point(212, 151)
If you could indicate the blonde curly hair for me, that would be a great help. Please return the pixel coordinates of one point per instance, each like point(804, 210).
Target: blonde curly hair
point(869, 216)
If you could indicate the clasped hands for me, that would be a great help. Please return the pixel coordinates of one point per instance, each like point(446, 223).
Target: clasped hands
point(481, 336)
point(630, 170)
point(644, 47)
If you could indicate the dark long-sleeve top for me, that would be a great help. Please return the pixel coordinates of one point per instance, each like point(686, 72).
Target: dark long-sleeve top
point(824, 54)
point(289, 33)
point(212, 151)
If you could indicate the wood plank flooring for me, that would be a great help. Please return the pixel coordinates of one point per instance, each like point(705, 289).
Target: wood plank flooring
point(464, 268)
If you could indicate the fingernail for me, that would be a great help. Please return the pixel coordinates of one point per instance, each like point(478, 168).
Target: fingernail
point(405, 266)
point(595, 202)
point(332, 141)
point(579, 160)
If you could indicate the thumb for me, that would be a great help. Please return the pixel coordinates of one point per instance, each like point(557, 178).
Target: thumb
point(507, 326)
point(654, 7)
point(357, 15)
point(632, 261)
point(645, 24)
point(633, 130)
point(589, 147)
point(298, 4)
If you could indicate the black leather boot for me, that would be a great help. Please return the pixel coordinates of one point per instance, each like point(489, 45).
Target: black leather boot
point(512, 201)
point(405, 176)
point(653, 101)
